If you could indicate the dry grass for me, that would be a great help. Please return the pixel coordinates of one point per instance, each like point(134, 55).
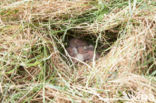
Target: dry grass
point(33, 67)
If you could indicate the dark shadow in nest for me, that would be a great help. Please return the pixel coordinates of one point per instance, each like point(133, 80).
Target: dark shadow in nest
point(103, 45)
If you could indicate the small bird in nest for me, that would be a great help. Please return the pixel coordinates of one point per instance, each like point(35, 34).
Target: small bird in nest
point(80, 50)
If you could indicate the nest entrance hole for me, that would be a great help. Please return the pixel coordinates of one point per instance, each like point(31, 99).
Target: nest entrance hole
point(107, 39)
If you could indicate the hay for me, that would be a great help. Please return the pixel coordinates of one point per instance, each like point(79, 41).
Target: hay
point(33, 67)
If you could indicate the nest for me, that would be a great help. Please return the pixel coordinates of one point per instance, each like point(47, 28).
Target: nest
point(34, 64)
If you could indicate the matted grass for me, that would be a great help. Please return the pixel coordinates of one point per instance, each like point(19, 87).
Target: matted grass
point(33, 37)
